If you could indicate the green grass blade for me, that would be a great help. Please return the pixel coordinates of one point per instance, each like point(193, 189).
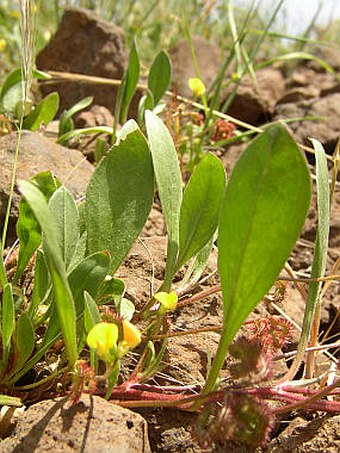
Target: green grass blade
point(65, 120)
point(200, 208)
point(62, 293)
point(263, 211)
point(120, 195)
point(320, 256)
point(159, 76)
point(66, 217)
point(296, 56)
point(168, 177)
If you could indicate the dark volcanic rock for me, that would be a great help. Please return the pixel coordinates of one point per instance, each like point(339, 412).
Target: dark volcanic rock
point(85, 44)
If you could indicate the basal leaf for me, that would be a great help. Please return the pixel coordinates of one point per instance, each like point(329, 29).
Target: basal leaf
point(159, 76)
point(263, 211)
point(41, 283)
point(88, 276)
point(168, 177)
point(200, 208)
point(62, 293)
point(65, 214)
point(24, 340)
point(28, 229)
point(7, 320)
point(119, 197)
point(91, 315)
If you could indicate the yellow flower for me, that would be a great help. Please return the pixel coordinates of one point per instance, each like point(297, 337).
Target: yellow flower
point(168, 301)
point(2, 45)
point(131, 333)
point(103, 337)
point(197, 87)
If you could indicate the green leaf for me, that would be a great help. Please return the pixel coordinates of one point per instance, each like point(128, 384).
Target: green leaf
point(43, 113)
point(111, 288)
point(11, 91)
point(65, 214)
point(263, 211)
point(91, 315)
point(28, 229)
point(7, 320)
point(119, 196)
point(200, 208)
point(159, 76)
point(24, 340)
point(131, 80)
point(125, 308)
point(88, 276)
point(62, 293)
point(168, 177)
point(63, 139)
point(65, 120)
point(13, 401)
point(320, 253)
point(41, 283)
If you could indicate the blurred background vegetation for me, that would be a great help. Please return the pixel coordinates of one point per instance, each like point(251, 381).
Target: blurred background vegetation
point(160, 24)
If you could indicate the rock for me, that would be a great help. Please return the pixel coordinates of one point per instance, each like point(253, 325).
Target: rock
point(209, 61)
point(299, 94)
point(85, 44)
point(321, 433)
point(326, 130)
point(256, 107)
point(304, 76)
point(91, 425)
point(37, 154)
point(329, 55)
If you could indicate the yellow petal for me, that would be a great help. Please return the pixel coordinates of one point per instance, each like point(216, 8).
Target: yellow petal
point(132, 335)
point(197, 87)
point(168, 301)
point(102, 337)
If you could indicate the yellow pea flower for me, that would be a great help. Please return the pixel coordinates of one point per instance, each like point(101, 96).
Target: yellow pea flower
point(197, 87)
point(168, 301)
point(103, 337)
point(3, 45)
point(131, 334)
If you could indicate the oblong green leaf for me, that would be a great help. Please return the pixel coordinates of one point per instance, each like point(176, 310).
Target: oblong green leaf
point(131, 80)
point(62, 293)
point(41, 283)
point(7, 317)
point(119, 196)
point(66, 217)
point(168, 177)
point(91, 315)
point(43, 113)
point(28, 229)
point(263, 211)
point(24, 340)
point(159, 76)
point(200, 208)
point(88, 276)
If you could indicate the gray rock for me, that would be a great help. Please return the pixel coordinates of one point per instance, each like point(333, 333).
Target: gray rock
point(37, 154)
point(89, 426)
point(208, 56)
point(85, 44)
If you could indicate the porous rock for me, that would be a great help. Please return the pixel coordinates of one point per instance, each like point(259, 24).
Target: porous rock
point(37, 154)
point(255, 105)
point(84, 44)
point(89, 426)
point(326, 129)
